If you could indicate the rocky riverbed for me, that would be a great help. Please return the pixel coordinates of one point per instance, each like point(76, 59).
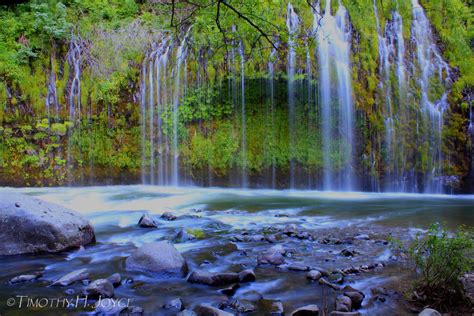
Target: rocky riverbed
point(168, 251)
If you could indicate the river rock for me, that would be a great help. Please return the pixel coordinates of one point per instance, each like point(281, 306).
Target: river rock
point(362, 237)
point(26, 278)
point(30, 225)
point(100, 288)
point(343, 303)
point(307, 310)
point(207, 310)
point(230, 290)
point(356, 298)
point(74, 276)
point(290, 229)
point(272, 256)
point(109, 306)
point(314, 275)
point(429, 312)
point(168, 216)
point(147, 221)
point(298, 266)
point(175, 303)
point(277, 309)
point(213, 278)
point(183, 236)
point(241, 306)
point(115, 279)
point(160, 258)
point(247, 275)
point(347, 253)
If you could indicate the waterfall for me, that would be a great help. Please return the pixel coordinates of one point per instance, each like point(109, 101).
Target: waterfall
point(337, 114)
point(244, 117)
point(431, 67)
point(74, 60)
point(271, 87)
point(52, 96)
point(292, 23)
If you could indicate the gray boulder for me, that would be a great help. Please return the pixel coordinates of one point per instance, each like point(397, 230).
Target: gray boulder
point(30, 225)
point(100, 288)
point(159, 258)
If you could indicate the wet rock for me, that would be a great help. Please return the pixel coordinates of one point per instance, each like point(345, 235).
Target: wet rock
point(230, 290)
point(135, 310)
point(168, 216)
point(272, 256)
point(100, 288)
point(26, 278)
point(362, 237)
point(207, 310)
point(115, 279)
point(213, 279)
point(336, 277)
point(30, 225)
point(175, 303)
point(252, 296)
point(379, 291)
point(277, 309)
point(242, 306)
point(307, 310)
point(183, 236)
point(147, 221)
point(297, 266)
point(160, 258)
point(314, 275)
point(347, 253)
point(336, 313)
point(343, 303)
point(290, 229)
point(356, 298)
point(247, 275)
point(109, 306)
point(429, 312)
point(74, 276)
point(186, 312)
point(326, 282)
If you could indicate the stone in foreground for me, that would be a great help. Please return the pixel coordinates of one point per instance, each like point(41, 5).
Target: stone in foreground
point(159, 258)
point(30, 225)
point(308, 310)
point(70, 278)
point(100, 288)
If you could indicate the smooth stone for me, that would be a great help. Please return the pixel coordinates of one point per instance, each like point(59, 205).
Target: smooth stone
point(175, 303)
point(247, 275)
point(30, 225)
point(100, 288)
point(343, 303)
point(252, 296)
point(230, 290)
point(186, 312)
point(429, 312)
point(307, 310)
point(314, 275)
point(213, 279)
point(272, 256)
point(71, 277)
point(362, 237)
point(277, 309)
point(207, 310)
point(168, 216)
point(297, 266)
point(159, 258)
point(26, 278)
point(147, 221)
point(115, 279)
point(347, 253)
point(109, 306)
point(356, 298)
point(183, 236)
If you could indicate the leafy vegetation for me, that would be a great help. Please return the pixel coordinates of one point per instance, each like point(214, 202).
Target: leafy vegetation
point(441, 258)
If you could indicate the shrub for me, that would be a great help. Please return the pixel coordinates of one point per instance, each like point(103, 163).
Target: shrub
point(441, 258)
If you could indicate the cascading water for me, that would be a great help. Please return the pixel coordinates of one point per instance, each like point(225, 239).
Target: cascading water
point(271, 87)
point(292, 23)
point(244, 117)
point(337, 114)
point(431, 68)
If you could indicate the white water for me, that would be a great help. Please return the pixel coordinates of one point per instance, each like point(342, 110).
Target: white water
point(337, 118)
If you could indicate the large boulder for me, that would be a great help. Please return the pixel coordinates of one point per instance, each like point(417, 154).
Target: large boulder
point(159, 258)
point(30, 225)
